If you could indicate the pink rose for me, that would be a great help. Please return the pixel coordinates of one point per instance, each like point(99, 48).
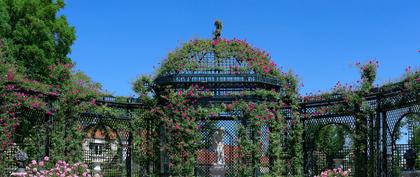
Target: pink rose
point(215, 42)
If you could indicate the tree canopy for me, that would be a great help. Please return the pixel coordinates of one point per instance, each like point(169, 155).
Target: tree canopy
point(34, 35)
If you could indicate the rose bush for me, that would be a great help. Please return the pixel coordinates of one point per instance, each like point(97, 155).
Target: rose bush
point(62, 96)
point(45, 168)
point(336, 172)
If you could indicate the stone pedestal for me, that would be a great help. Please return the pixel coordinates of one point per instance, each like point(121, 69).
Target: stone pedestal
point(217, 171)
point(97, 169)
point(18, 174)
point(20, 158)
point(413, 173)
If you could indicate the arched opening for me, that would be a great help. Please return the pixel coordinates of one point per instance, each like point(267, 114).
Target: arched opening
point(333, 148)
point(102, 150)
point(406, 143)
point(207, 155)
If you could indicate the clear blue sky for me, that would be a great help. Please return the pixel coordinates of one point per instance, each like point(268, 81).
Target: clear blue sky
point(319, 40)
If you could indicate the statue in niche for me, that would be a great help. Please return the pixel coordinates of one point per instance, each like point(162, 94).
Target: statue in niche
point(218, 145)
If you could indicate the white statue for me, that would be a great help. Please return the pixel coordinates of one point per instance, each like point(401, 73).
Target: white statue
point(85, 145)
point(218, 145)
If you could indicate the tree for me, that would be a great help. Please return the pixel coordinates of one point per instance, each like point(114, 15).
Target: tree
point(331, 140)
point(34, 35)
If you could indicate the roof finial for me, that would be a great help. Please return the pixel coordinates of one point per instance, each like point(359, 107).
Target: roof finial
point(218, 32)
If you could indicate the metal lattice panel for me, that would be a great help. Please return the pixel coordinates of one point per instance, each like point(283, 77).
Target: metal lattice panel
point(313, 159)
point(395, 116)
point(222, 76)
point(106, 144)
point(389, 107)
point(206, 156)
point(347, 121)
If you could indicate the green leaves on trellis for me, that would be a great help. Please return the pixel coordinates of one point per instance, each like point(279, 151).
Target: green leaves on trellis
point(182, 59)
point(263, 113)
point(59, 100)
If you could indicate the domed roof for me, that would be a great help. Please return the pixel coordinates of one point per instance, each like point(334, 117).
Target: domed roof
point(221, 65)
point(220, 56)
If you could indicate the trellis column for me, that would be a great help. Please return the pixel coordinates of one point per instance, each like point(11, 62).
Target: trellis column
point(361, 140)
point(378, 137)
point(384, 145)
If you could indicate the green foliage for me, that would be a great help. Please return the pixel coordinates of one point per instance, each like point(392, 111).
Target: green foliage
point(413, 119)
point(26, 114)
point(260, 93)
point(295, 142)
point(34, 43)
point(178, 115)
point(396, 171)
point(355, 104)
point(368, 74)
point(331, 139)
point(143, 87)
point(179, 121)
point(361, 112)
point(412, 80)
point(261, 116)
point(34, 35)
point(244, 168)
point(276, 151)
point(57, 104)
point(257, 60)
point(35, 69)
point(417, 136)
point(145, 139)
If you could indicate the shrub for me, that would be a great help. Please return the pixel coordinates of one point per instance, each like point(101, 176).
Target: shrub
point(336, 172)
point(45, 168)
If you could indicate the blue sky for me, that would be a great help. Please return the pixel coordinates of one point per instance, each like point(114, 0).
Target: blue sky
point(319, 40)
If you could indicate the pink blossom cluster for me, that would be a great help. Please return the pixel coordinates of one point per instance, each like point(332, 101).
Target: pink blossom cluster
point(10, 75)
point(8, 126)
point(371, 63)
point(412, 73)
point(21, 92)
point(336, 172)
point(45, 168)
point(194, 91)
point(254, 56)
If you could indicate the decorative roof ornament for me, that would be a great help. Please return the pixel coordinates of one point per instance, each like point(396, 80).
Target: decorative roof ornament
point(218, 32)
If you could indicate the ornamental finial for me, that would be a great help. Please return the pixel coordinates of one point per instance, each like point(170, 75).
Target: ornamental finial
point(218, 32)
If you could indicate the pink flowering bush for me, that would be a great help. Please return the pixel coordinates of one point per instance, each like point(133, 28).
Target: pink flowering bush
point(336, 172)
point(45, 168)
point(256, 60)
